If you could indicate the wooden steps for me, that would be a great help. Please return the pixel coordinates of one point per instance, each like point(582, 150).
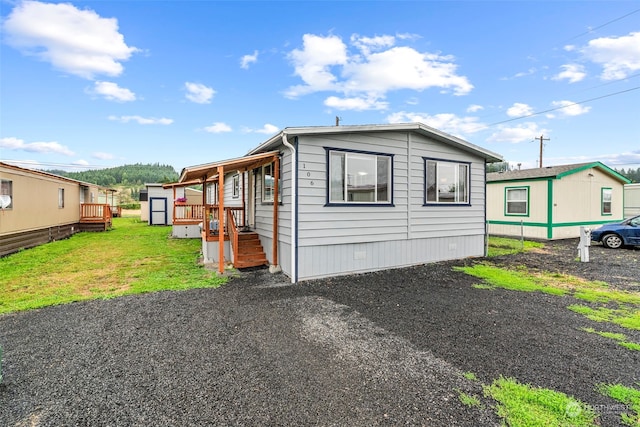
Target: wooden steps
point(250, 252)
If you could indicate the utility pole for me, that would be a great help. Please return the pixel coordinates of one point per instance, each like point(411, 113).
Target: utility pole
point(541, 144)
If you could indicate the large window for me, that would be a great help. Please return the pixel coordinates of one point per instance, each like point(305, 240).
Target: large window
point(61, 197)
point(606, 201)
point(517, 201)
point(268, 183)
point(360, 177)
point(6, 194)
point(446, 182)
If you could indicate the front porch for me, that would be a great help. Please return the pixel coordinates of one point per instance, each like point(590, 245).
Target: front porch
point(225, 229)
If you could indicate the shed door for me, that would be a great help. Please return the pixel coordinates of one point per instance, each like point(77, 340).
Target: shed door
point(158, 211)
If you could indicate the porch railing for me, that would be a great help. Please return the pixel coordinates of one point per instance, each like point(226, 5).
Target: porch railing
point(95, 212)
point(212, 224)
point(187, 214)
point(233, 233)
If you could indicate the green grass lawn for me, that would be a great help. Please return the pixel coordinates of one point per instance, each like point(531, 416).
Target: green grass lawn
point(129, 259)
point(506, 246)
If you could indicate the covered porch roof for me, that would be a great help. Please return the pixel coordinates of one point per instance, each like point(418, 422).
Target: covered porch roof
point(210, 171)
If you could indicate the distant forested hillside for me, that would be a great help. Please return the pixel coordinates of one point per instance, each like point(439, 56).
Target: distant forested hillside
point(127, 175)
point(632, 174)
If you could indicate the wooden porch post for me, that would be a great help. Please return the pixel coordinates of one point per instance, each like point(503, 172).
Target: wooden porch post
point(205, 220)
point(221, 219)
point(174, 204)
point(276, 191)
point(244, 204)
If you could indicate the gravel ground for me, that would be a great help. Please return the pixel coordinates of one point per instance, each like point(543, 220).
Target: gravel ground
point(384, 348)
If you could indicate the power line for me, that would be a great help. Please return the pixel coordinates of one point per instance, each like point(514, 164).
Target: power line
point(564, 106)
point(600, 26)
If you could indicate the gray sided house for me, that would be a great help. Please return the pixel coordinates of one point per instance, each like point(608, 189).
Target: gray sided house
point(554, 202)
point(351, 199)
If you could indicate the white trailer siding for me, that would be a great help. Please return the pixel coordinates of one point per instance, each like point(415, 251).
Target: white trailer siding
point(349, 239)
point(631, 200)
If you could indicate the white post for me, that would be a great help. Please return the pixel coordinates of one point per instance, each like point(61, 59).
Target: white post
point(585, 242)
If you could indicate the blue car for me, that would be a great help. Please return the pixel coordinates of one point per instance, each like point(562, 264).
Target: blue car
point(618, 234)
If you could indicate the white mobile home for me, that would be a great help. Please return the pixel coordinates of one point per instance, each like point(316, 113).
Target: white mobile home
point(631, 200)
point(348, 199)
point(553, 202)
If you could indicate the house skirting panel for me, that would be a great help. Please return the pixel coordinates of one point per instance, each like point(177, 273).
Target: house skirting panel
point(27, 239)
point(331, 260)
point(210, 251)
point(190, 231)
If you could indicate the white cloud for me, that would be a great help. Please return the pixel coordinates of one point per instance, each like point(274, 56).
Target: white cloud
point(218, 127)
point(368, 44)
point(112, 92)
point(314, 61)
point(199, 93)
point(524, 132)
point(571, 72)
point(356, 104)
point(375, 67)
point(16, 144)
point(624, 159)
point(248, 59)
point(268, 129)
point(474, 108)
point(142, 120)
point(570, 108)
point(76, 41)
point(618, 56)
point(445, 122)
point(80, 163)
point(519, 110)
point(102, 156)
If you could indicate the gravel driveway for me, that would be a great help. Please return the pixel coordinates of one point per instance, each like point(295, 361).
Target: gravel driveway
point(385, 348)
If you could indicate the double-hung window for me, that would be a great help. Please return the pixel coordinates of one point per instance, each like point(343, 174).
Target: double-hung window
point(517, 201)
point(357, 177)
point(446, 182)
point(606, 201)
point(268, 183)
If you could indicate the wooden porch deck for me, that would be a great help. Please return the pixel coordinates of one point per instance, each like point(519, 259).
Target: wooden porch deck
point(95, 217)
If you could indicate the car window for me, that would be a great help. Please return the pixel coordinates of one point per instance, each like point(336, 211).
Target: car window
point(635, 221)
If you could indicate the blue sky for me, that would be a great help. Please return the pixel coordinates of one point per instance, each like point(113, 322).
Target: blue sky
point(106, 83)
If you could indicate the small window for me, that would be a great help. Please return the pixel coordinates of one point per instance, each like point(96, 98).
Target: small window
point(268, 184)
point(446, 182)
point(607, 193)
point(144, 196)
point(517, 201)
point(360, 177)
point(6, 194)
point(61, 197)
point(236, 186)
point(212, 193)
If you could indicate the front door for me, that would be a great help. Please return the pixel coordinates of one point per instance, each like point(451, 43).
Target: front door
point(158, 211)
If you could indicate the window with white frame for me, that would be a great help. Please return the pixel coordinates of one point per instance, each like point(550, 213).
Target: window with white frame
point(606, 197)
point(517, 201)
point(6, 194)
point(268, 183)
point(446, 182)
point(235, 185)
point(61, 197)
point(360, 177)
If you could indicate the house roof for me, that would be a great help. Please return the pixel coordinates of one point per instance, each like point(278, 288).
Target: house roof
point(209, 171)
point(52, 175)
point(420, 128)
point(555, 172)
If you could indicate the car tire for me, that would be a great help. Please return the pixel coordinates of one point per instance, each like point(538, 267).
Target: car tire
point(612, 241)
